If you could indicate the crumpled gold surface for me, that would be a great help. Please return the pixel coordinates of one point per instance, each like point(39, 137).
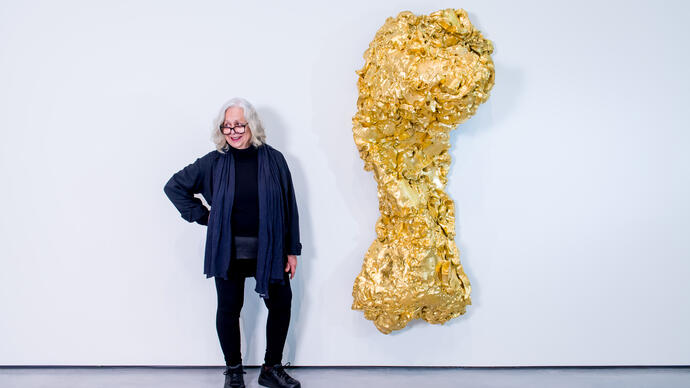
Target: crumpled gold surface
point(422, 77)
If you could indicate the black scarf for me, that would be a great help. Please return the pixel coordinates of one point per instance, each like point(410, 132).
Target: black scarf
point(272, 185)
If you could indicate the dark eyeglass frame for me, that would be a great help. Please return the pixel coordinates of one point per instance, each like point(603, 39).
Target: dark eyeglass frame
point(233, 128)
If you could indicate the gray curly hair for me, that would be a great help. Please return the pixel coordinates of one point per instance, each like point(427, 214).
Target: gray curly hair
point(255, 125)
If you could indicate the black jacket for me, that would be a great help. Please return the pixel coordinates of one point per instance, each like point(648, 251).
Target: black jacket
point(212, 176)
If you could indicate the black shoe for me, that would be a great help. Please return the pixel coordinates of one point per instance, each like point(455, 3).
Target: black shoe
point(233, 376)
point(276, 377)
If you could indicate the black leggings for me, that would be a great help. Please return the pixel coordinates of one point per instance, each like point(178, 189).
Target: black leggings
point(230, 300)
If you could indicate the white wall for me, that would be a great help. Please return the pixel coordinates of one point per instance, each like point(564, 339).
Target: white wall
point(571, 183)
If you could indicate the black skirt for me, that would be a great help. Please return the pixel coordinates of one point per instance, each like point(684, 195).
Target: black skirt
point(243, 256)
point(242, 267)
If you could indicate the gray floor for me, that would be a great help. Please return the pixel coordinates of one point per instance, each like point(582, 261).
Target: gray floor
point(104, 377)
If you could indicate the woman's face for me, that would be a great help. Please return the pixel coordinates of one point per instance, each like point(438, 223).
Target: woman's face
point(235, 116)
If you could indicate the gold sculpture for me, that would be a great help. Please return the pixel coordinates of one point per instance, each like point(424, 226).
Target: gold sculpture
point(423, 75)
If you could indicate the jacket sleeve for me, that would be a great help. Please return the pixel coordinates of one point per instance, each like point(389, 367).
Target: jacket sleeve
point(181, 188)
point(292, 242)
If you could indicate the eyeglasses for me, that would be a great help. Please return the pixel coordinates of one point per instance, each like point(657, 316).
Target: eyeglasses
point(226, 129)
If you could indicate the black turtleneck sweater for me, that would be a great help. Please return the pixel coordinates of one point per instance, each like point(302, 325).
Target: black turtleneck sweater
point(245, 207)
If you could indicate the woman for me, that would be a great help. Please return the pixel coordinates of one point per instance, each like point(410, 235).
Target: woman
point(253, 230)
